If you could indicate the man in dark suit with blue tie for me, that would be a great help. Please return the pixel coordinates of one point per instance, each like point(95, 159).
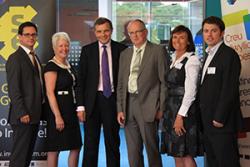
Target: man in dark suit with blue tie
point(96, 95)
point(25, 91)
point(219, 97)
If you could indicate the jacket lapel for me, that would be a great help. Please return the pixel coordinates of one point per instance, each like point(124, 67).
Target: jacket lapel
point(95, 55)
point(129, 59)
point(114, 54)
point(146, 55)
point(26, 58)
point(214, 60)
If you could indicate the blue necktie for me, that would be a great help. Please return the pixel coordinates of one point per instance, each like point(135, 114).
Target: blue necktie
point(105, 73)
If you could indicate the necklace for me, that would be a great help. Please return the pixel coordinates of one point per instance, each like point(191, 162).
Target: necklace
point(57, 62)
point(67, 67)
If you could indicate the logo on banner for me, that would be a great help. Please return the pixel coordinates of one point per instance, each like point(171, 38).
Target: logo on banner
point(237, 18)
point(231, 2)
point(4, 100)
point(9, 23)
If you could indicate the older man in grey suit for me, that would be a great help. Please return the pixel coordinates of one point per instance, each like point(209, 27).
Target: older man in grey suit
point(141, 95)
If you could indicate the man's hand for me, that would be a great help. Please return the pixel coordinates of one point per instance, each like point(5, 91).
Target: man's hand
point(217, 124)
point(121, 118)
point(25, 119)
point(159, 115)
point(81, 116)
point(178, 125)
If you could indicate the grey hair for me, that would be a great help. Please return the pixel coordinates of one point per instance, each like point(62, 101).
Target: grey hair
point(139, 21)
point(60, 35)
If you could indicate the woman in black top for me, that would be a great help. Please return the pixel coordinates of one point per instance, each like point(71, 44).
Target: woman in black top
point(63, 126)
point(181, 134)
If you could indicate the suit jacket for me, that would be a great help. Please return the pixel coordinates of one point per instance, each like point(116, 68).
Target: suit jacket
point(89, 71)
point(152, 88)
point(24, 88)
point(219, 92)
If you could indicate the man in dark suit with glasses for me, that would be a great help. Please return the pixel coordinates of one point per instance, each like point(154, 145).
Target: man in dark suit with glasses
point(25, 91)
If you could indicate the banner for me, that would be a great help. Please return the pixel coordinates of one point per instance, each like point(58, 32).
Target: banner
point(12, 14)
point(236, 15)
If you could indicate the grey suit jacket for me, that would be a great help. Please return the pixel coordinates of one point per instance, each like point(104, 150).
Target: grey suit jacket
point(24, 88)
point(152, 88)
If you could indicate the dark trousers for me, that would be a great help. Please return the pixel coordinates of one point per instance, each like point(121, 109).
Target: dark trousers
point(24, 139)
point(139, 133)
point(221, 150)
point(104, 114)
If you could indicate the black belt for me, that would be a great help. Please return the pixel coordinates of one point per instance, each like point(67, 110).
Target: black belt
point(132, 94)
point(101, 92)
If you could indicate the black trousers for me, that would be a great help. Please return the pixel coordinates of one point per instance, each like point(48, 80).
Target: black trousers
point(221, 150)
point(24, 139)
point(104, 115)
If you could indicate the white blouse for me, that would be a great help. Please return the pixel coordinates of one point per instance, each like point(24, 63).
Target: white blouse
point(192, 69)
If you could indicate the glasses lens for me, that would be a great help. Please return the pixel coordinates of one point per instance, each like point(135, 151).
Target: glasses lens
point(30, 35)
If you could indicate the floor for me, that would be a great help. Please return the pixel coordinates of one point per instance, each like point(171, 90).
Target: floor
point(167, 161)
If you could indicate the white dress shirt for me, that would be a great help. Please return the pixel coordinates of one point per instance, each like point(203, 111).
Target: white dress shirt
point(211, 52)
point(192, 69)
point(108, 48)
point(30, 57)
point(100, 84)
point(142, 48)
point(27, 50)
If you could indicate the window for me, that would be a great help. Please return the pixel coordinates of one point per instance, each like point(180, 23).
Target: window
point(160, 18)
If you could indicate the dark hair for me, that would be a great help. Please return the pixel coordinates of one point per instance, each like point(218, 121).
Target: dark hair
point(214, 20)
point(26, 24)
point(182, 28)
point(102, 20)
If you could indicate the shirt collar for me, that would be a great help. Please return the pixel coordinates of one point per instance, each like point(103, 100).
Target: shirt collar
point(212, 50)
point(186, 54)
point(106, 44)
point(27, 50)
point(142, 47)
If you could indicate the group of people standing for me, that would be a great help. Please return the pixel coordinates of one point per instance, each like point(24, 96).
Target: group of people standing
point(133, 87)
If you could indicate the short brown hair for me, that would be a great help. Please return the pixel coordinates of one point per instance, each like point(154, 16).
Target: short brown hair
point(214, 20)
point(102, 20)
point(26, 24)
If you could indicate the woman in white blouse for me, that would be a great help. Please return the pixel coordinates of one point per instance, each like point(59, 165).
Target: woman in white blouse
point(181, 131)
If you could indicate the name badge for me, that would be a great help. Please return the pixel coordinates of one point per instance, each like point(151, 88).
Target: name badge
point(211, 70)
point(178, 66)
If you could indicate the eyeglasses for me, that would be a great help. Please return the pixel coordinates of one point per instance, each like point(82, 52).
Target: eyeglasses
point(34, 35)
point(136, 32)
